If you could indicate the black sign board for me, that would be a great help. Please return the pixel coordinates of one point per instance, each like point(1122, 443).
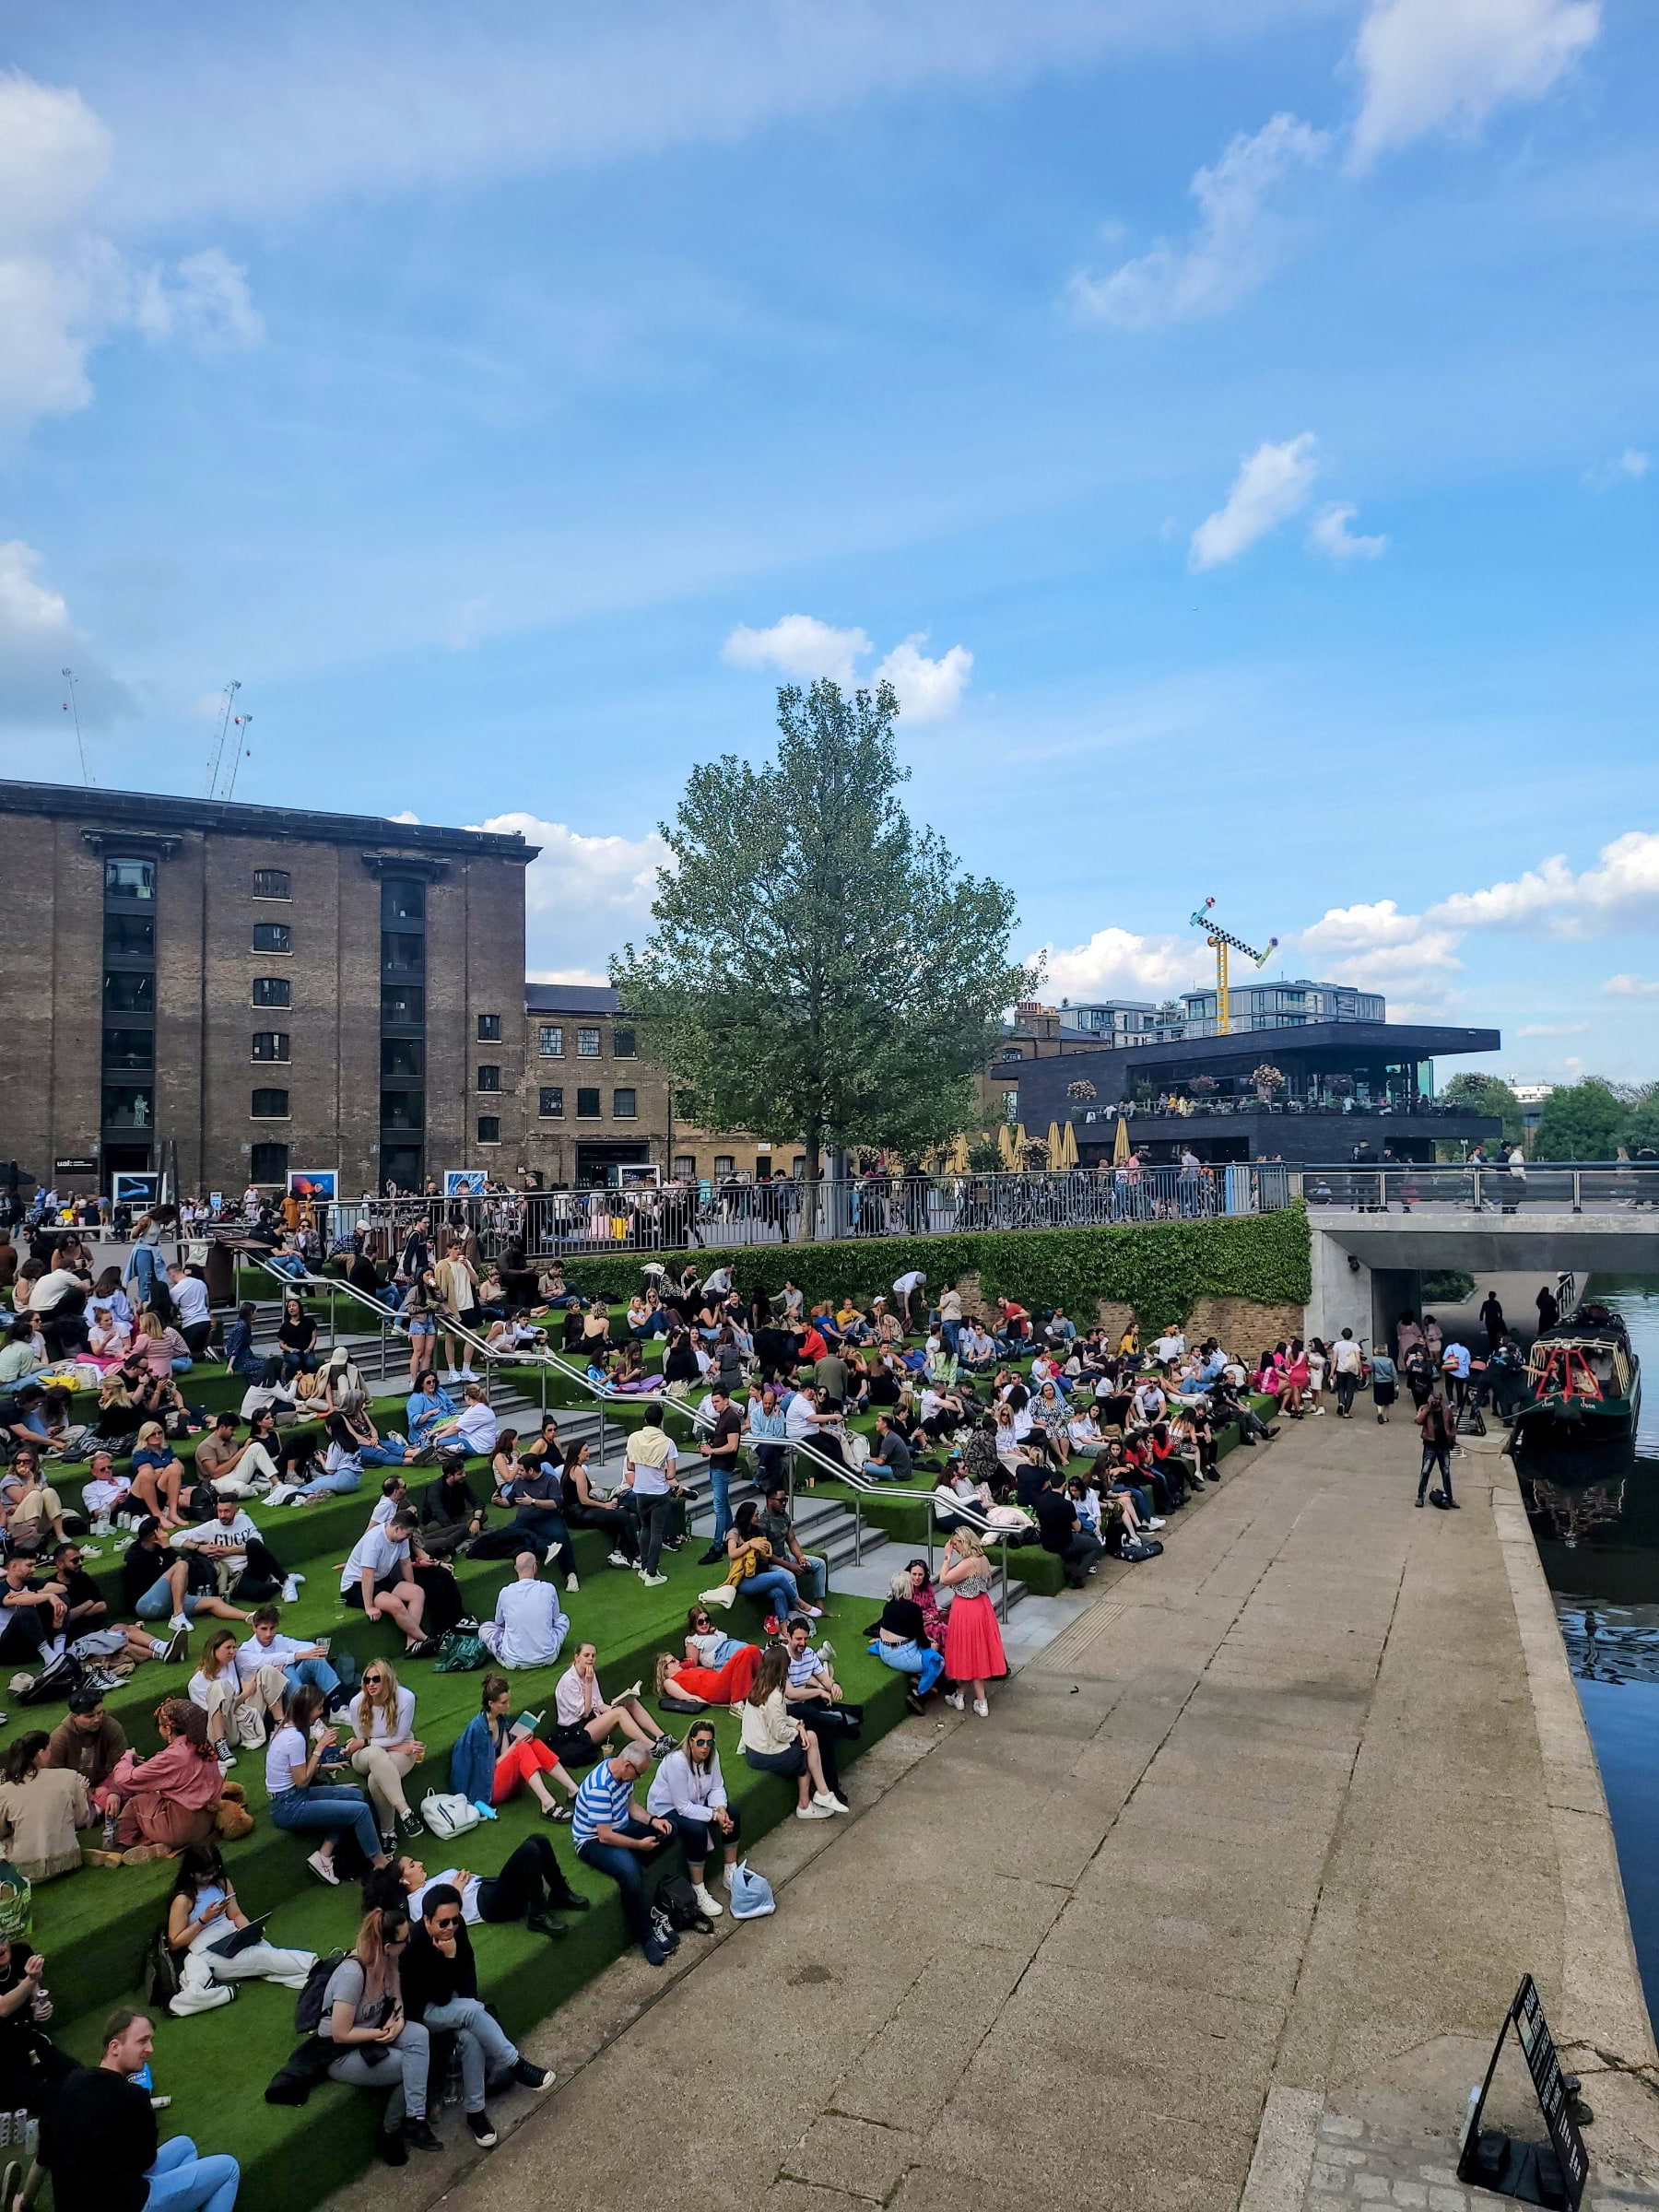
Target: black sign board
point(81, 1164)
point(1526, 2171)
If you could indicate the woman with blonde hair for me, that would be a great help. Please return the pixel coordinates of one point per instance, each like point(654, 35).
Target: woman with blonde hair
point(363, 2017)
point(235, 1713)
point(162, 1351)
point(690, 1687)
point(383, 1746)
point(157, 1476)
point(973, 1644)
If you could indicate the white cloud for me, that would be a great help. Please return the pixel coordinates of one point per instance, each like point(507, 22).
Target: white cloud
point(1233, 246)
point(1620, 891)
point(1552, 1029)
point(1628, 467)
point(1431, 64)
point(462, 629)
point(585, 896)
point(1117, 963)
point(409, 814)
point(1629, 986)
point(590, 976)
point(798, 645)
point(1330, 534)
point(1377, 946)
point(1272, 485)
point(928, 690)
point(64, 287)
point(37, 638)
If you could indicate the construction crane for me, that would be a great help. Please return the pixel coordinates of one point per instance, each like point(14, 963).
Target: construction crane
point(1221, 942)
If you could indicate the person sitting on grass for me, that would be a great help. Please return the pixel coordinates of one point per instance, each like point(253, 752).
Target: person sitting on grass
point(455, 1515)
point(230, 1542)
point(237, 1713)
point(492, 1759)
point(31, 2065)
point(41, 1809)
point(585, 1720)
point(158, 1476)
point(615, 1835)
point(584, 1509)
point(752, 1569)
point(201, 1914)
point(158, 1805)
point(299, 1665)
point(363, 2017)
point(379, 1579)
point(161, 1584)
point(89, 1743)
point(689, 1790)
point(721, 1664)
point(439, 1979)
point(303, 1806)
point(900, 1641)
point(777, 1741)
point(383, 1746)
point(99, 2141)
point(1065, 1536)
point(889, 1459)
point(528, 1628)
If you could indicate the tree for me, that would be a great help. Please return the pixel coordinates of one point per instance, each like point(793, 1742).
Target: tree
point(817, 963)
point(1490, 1095)
point(1639, 1132)
point(1580, 1121)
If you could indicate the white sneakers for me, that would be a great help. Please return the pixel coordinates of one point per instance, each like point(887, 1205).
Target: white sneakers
point(652, 1582)
point(290, 1589)
point(813, 1812)
point(620, 1558)
point(324, 1869)
point(982, 1709)
point(572, 1585)
point(955, 1696)
point(831, 1804)
point(705, 1903)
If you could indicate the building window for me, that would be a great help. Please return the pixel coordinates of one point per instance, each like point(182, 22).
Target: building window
point(685, 1167)
point(273, 990)
point(403, 1057)
point(402, 954)
point(623, 1105)
point(402, 901)
point(489, 1129)
point(129, 938)
point(587, 1044)
point(268, 1163)
point(587, 1105)
point(273, 936)
point(800, 1166)
point(550, 1039)
point(489, 1078)
point(489, 1029)
point(129, 878)
point(128, 1049)
point(403, 1110)
point(724, 1164)
point(270, 1106)
point(273, 883)
point(622, 1044)
point(129, 991)
point(402, 1006)
point(127, 1106)
point(270, 1045)
point(551, 1102)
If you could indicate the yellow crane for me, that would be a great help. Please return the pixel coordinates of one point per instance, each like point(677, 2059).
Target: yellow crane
point(1221, 942)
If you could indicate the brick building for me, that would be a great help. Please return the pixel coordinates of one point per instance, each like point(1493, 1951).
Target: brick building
point(242, 990)
point(589, 1101)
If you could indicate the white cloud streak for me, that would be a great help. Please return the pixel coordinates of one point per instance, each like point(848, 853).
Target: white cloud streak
point(1273, 484)
point(1330, 534)
point(1628, 467)
point(1116, 963)
point(37, 638)
point(1235, 244)
point(1434, 65)
point(583, 895)
point(1629, 986)
point(800, 645)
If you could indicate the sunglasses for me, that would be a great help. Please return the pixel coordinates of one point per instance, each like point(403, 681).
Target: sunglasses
point(448, 1919)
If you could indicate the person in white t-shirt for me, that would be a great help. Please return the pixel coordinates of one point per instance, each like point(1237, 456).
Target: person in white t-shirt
point(1347, 1364)
point(379, 1579)
point(192, 1311)
point(528, 1628)
point(473, 1430)
point(1170, 1346)
point(302, 1665)
point(904, 1289)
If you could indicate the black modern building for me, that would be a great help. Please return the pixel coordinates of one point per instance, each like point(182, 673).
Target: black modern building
point(1341, 1086)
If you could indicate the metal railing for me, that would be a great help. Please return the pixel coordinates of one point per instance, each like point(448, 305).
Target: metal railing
point(1539, 1187)
point(548, 1225)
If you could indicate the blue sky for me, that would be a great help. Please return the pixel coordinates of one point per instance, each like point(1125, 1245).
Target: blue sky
point(1231, 422)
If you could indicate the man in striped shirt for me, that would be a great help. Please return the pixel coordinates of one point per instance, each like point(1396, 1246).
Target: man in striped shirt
point(612, 1831)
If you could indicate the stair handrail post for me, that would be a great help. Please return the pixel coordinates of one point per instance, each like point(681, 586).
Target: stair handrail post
point(1002, 1608)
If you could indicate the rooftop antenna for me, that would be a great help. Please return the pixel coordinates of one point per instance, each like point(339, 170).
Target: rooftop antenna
point(231, 689)
point(72, 707)
point(241, 751)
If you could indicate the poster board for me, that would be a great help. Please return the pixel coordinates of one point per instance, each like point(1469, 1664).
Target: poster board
point(464, 1182)
point(319, 1185)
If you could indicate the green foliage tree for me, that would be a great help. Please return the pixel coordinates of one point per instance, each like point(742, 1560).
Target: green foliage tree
point(1487, 1094)
point(1641, 1129)
point(1580, 1121)
point(817, 963)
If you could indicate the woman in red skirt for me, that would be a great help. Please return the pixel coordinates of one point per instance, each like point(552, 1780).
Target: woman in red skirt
point(973, 1644)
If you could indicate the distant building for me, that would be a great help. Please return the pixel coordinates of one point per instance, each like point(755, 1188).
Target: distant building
point(1532, 1098)
point(591, 1103)
point(1280, 1006)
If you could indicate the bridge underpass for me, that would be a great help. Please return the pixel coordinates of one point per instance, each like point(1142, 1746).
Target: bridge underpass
point(1368, 1267)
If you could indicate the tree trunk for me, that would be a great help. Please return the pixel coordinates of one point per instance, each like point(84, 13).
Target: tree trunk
point(809, 1204)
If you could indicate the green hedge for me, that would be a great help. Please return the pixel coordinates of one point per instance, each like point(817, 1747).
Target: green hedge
point(1161, 1269)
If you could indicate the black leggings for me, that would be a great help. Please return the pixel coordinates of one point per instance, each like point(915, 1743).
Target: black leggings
point(615, 1524)
point(531, 1881)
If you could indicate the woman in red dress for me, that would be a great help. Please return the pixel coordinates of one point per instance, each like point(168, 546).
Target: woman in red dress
point(973, 1644)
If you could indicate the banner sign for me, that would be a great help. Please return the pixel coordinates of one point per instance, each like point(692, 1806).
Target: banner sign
point(1525, 2170)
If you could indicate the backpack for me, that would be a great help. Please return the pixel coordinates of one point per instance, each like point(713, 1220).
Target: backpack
point(160, 1975)
point(308, 2005)
point(17, 1905)
point(448, 1814)
point(459, 1653)
point(1136, 1549)
point(677, 1898)
point(60, 1679)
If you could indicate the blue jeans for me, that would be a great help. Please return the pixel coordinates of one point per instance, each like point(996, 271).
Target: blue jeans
point(180, 2180)
point(339, 1485)
point(144, 1269)
point(772, 1590)
point(313, 1673)
point(157, 1603)
point(486, 2048)
point(952, 1332)
point(812, 1574)
point(181, 1367)
point(327, 1809)
point(627, 1869)
point(720, 1482)
point(388, 1452)
point(922, 1661)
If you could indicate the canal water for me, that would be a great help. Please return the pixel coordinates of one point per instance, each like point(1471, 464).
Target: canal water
point(1597, 1520)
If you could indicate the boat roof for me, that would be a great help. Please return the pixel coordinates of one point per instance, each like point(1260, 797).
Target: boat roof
point(1567, 1333)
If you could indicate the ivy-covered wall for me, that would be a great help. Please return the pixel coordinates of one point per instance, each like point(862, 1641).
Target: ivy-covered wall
point(1161, 1270)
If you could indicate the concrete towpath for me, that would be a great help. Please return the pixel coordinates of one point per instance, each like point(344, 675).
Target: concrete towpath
point(1222, 1905)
